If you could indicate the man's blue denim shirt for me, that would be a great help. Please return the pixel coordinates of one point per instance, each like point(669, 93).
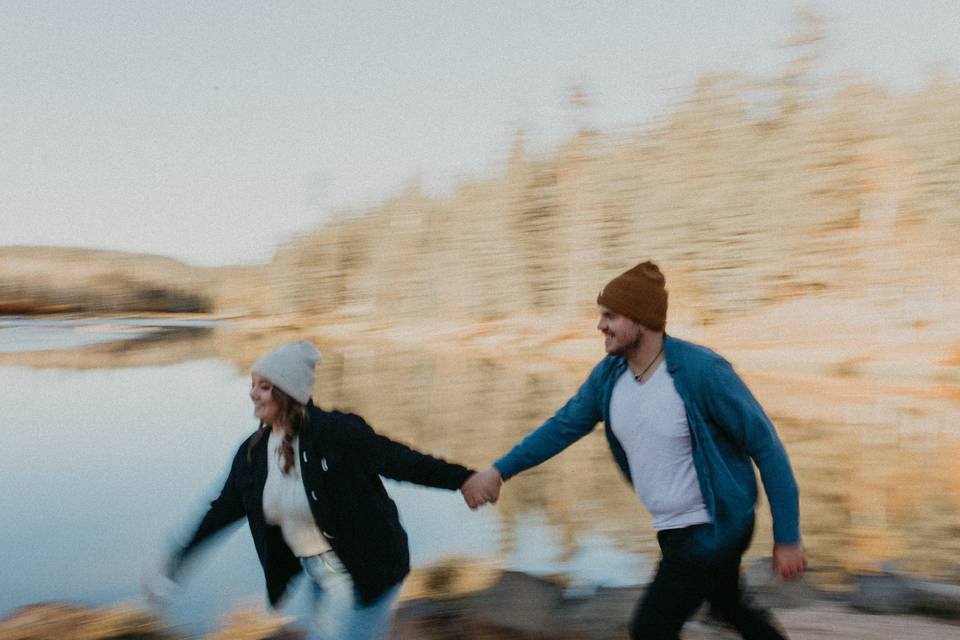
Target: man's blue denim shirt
point(728, 429)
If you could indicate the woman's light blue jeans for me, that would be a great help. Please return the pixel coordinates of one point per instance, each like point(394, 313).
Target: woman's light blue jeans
point(337, 612)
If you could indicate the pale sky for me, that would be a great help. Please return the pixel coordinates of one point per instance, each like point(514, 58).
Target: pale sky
point(211, 132)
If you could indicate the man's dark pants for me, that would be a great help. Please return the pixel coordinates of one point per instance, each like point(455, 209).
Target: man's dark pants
point(690, 572)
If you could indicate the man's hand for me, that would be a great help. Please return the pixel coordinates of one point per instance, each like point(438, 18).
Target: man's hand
point(789, 560)
point(482, 487)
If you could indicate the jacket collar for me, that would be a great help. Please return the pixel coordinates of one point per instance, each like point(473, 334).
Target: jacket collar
point(314, 413)
point(673, 359)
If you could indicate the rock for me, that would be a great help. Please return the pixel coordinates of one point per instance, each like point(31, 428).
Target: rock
point(934, 598)
point(421, 618)
point(254, 624)
point(515, 606)
point(891, 591)
point(520, 602)
point(881, 593)
point(68, 622)
point(605, 614)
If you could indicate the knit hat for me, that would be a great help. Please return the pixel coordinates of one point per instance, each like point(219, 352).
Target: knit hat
point(291, 368)
point(639, 294)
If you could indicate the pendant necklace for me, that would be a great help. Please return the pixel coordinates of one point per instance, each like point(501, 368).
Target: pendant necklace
point(638, 376)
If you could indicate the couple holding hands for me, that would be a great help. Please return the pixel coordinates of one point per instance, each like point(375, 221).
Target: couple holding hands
point(681, 425)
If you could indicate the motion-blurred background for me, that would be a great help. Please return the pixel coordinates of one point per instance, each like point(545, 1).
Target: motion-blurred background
point(434, 194)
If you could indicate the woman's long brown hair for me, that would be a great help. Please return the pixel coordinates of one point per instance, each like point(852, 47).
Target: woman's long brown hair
point(291, 413)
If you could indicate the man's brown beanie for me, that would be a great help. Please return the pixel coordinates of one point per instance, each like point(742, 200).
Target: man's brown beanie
point(639, 294)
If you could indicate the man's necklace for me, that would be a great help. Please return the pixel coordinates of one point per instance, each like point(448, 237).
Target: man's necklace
point(638, 376)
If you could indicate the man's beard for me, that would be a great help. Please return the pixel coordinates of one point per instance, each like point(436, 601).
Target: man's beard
point(629, 348)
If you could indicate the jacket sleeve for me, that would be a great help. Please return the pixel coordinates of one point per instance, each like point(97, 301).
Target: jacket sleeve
point(571, 422)
point(386, 457)
point(733, 407)
point(226, 509)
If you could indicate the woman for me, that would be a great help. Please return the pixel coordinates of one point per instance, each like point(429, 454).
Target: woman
point(308, 482)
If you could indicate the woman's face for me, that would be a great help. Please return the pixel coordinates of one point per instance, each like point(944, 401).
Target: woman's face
point(261, 392)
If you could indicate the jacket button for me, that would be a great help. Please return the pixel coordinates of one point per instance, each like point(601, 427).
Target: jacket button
point(323, 464)
point(304, 456)
point(313, 494)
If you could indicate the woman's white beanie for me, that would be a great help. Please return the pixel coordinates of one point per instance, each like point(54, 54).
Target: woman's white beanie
point(291, 368)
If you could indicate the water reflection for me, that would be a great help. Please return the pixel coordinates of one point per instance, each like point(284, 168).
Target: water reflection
point(875, 465)
point(20, 335)
point(112, 458)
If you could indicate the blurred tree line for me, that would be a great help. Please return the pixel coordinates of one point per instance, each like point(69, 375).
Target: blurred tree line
point(756, 189)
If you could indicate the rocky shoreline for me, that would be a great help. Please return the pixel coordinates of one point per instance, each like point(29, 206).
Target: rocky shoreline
point(885, 604)
point(518, 606)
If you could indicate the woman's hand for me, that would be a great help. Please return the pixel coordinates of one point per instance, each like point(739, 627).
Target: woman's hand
point(157, 585)
point(482, 487)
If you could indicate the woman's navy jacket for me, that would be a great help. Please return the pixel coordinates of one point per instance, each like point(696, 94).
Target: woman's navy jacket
point(341, 461)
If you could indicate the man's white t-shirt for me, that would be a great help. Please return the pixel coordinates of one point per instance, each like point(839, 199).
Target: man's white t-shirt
point(650, 422)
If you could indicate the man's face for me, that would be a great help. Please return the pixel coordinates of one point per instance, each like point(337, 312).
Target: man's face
point(620, 333)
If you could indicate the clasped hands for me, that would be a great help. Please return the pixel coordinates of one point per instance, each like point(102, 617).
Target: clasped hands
point(482, 488)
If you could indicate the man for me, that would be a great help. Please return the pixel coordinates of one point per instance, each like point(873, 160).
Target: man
point(683, 429)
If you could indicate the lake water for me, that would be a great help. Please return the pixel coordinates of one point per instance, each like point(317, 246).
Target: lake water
point(113, 451)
